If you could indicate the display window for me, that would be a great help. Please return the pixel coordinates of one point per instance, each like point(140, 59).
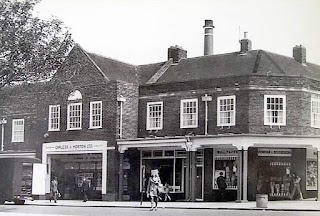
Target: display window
point(171, 166)
point(225, 162)
point(274, 173)
point(311, 169)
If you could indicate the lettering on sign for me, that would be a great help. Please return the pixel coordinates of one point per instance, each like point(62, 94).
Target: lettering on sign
point(226, 152)
point(275, 152)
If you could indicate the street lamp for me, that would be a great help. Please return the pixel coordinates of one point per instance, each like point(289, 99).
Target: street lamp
point(3, 121)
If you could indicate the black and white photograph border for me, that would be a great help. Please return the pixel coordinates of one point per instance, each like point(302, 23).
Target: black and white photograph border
point(136, 107)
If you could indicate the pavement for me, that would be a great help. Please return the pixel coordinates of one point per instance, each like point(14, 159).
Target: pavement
point(292, 205)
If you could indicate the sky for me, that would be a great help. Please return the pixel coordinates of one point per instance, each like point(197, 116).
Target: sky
point(141, 31)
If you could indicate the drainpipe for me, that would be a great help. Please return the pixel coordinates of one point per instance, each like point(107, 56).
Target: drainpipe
point(121, 99)
point(206, 98)
point(3, 121)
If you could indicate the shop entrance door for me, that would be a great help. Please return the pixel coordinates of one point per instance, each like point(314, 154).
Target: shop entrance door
point(198, 189)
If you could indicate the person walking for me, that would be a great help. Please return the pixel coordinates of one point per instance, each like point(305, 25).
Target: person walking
point(296, 186)
point(221, 182)
point(166, 189)
point(54, 189)
point(154, 183)
point(84, 189)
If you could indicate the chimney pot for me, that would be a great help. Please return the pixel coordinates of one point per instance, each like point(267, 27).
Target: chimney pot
point(208, 37)
point(300, 54)
point(245, 44)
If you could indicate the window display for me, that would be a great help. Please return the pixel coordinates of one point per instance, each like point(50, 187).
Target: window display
point(225, 162)
point(312, 174)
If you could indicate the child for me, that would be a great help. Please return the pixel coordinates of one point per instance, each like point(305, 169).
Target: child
point(166, 192)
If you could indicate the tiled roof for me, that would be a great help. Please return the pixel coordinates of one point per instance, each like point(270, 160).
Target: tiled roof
point(114, 69)
point(230, 64)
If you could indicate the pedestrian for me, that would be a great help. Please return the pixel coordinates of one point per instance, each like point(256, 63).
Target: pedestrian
point(222, 185)
point(54, 192)
point(296, 186)
point(166, 190)
point(84, 189)
point(154, 184)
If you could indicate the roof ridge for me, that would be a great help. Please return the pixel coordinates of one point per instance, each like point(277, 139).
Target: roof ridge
point(113, 59)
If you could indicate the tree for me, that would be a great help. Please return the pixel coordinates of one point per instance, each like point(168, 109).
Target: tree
point(31, 48)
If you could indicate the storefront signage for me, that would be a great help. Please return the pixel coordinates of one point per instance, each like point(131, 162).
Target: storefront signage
point(74, 146)
point(227, 152)
point(81, 157)
point(266, 152)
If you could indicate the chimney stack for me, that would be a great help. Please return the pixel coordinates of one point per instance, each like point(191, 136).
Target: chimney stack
point(176, 53)
point(245, 44)
point(208, 37)
point(300, 54)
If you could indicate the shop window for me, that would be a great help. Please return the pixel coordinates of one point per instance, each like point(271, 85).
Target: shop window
point(312, 169)
point(315, 113)
point(146, 154)
point(157, 153)
point(96, 114)
point(273, 174)
point(226, 111)
point(154, 115)
point(229, 169)
point(54, 118)
point(171, 168)
point(189, 113)
point(275, 110)
point(169, 153)
point(18, 130)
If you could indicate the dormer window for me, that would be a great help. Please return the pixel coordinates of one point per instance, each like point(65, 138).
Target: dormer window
point(74, 120)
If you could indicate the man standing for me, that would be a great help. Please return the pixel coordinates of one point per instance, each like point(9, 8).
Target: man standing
point(54, 189)
point(84, 189)
point(221, 182)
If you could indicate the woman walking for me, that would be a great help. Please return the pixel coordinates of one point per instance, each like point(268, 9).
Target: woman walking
point(153, 189)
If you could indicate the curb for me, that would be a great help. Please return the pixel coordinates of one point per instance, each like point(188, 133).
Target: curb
point(177, 207)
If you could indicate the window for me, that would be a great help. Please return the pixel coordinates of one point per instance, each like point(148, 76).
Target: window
point(74, 116)
point(315, 113)
point(154, 115)
point(226, 111)
point(96, 114)
point(275, 110)
point(54, 118)
point(18, 130)
point(189, 113)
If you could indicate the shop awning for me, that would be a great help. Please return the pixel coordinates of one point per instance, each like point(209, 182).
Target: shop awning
point(23, 157)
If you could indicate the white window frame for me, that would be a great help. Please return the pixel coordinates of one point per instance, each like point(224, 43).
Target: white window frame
point(68, 116)
point(266, 122)
point(14, 131)
point(50, 128)
point(148, 127)
point(91, 115)
point(182, 113)
point(233, 111)
point(315, 122)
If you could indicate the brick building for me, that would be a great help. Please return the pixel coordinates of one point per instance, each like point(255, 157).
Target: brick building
point(252, 115)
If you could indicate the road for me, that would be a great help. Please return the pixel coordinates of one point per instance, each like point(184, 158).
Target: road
point(29, 210)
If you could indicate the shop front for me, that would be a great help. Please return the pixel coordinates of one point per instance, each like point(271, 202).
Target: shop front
point(71, 161)
point(70, 169)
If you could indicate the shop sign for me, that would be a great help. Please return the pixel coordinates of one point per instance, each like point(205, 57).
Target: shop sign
point(81, 157)
point(226, 152)
point(74, 146)
point(266, 152)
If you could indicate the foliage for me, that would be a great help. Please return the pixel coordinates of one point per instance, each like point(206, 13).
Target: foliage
point(31, 48)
